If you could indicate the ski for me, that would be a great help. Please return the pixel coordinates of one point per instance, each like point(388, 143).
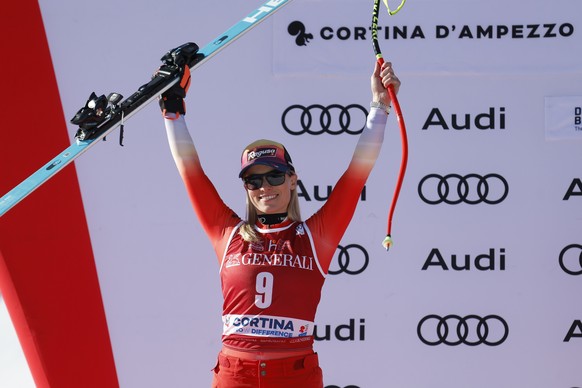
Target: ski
point(101, 115)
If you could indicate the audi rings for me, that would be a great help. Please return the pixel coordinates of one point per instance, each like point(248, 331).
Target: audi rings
point(349, 261)
point(471, 189)
point(337, 386)
point(470, 330)
point(568, 263)
point(333, 119)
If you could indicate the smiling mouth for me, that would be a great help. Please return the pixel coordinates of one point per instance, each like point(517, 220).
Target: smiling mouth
point(268, 197)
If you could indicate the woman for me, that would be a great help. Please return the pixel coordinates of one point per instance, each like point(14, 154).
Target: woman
point(272, 264)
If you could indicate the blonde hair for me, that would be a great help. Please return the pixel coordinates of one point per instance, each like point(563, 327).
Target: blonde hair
point(247, 230)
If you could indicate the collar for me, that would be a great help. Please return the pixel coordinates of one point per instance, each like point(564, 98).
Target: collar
point(271, 219)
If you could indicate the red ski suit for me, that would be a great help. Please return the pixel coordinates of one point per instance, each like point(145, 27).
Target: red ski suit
point(271, 288)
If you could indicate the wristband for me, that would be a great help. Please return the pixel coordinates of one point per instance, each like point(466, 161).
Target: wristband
point(380, 105)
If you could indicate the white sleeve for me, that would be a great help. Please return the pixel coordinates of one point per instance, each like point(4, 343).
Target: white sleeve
point(371, 139)
point(180, 141)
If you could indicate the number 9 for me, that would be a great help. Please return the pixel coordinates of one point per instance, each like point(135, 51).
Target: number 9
point(264, 287)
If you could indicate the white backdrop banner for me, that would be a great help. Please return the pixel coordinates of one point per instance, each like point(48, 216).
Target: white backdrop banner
point(430, 37)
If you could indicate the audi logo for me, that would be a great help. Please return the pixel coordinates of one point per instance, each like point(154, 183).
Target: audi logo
point(471, 189)
point(337, 386)
point(471, 330)
point(352, 259)
point(317, 119)
point(568, 261)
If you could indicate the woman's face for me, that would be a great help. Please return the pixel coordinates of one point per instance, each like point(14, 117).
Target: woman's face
point(271, 199)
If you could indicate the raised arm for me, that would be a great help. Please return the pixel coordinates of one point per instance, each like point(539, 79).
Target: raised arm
point(331, 221)
point(215, 217)
point(371, 139)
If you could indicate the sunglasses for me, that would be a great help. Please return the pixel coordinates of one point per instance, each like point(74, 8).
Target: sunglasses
point(255, 182)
